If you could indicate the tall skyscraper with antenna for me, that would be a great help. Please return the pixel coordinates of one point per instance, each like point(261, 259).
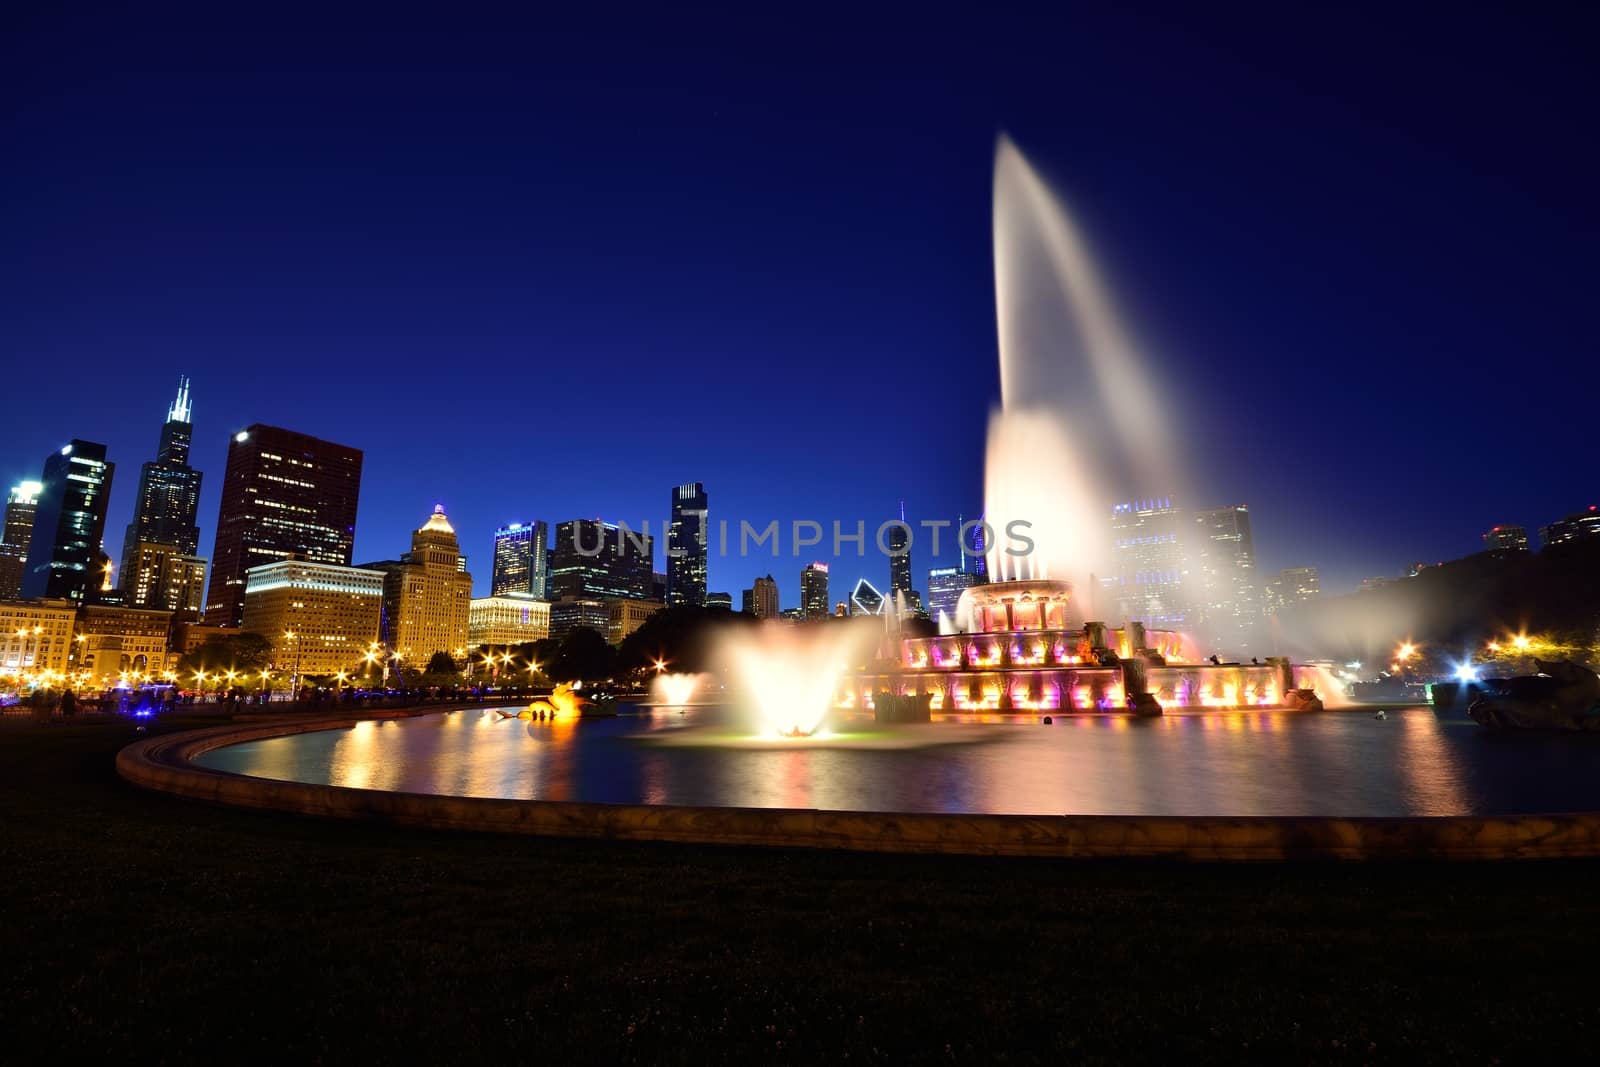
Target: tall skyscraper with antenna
point(159, 549)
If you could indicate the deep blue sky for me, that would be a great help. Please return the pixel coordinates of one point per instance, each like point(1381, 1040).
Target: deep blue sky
point(550, 270)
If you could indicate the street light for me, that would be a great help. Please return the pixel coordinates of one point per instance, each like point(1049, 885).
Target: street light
point(294, 686)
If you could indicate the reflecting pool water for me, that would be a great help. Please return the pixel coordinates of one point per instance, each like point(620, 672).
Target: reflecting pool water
point(1217, 763)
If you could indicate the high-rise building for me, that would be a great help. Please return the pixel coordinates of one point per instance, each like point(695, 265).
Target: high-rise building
point(162, 577)
point(35, 636)
point(116, 644)
point(1295, 585)
point(520, 555)
point(814, 591)
point(321, 618)
point(427, 598)
point(761, 599)
point(1227, 603)
point(14, 537)
point(502, 621)
point(570, 613)
point(720, 600)
point(168, 501)
point(285, 495)
point(899, 541)
point(601, 561)
point(69, 523)
point(945, 586)
point(865, 599)
point(1149, 579)
point(625, 616)
point(974, 555)
point(1575, 527)
point(1513, 538)
point(687, 546)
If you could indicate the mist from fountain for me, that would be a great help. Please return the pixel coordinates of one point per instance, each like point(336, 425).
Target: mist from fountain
point(789, 674)
point(675, 690)
point(1080, 421)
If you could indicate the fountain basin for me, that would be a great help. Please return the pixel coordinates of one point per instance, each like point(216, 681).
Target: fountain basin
point(413, 769)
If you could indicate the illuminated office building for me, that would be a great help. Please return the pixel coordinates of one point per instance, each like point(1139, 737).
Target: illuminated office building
point(285, 495)
point(597, 560)
point(168, 501)
point(814, 591)
point(14, 537)
point(69, 523)
point(427, 598)
point(761, 599)
point(321, 618)
point(520, 560)
point(502, 621)
point(687, 546)
point(1149, 580)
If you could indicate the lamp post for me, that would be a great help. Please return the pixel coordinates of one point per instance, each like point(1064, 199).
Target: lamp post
point(294, 686)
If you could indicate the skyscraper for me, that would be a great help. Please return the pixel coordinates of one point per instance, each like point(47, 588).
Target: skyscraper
point(865, 599)
point(1294, 585)
point(69, 523)
point(1514, 538)
point(761, 600)
point(1223, 560)
point(900, 557)
point(814, 591)
point(285, 495)
point(945, 585)
point(598, 560)
point(14, 537)
point(1575, 527)
point(163, 526)
point(520, 558)
point(686, 546)
point(427, 598)
point(1148, 583)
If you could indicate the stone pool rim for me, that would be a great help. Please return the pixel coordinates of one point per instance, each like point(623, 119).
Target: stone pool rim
point(166, 764)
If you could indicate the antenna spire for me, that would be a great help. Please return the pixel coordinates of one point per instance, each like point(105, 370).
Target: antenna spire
point(180, 410)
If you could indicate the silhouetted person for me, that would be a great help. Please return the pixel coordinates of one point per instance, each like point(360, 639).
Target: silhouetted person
point(41, 704)
point(1256, 661)
point(1216, 661)
point(69, 704)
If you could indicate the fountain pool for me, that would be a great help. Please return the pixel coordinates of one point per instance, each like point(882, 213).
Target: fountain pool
point(1216, 763)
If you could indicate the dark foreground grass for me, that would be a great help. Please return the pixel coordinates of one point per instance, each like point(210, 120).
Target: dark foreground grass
point(137, 925)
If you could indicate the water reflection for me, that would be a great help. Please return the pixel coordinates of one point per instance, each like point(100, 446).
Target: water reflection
point(1216, 763)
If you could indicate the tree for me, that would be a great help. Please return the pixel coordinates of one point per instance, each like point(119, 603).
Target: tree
point(682, 637)
point(441, 670)
point(246, 654)
point(583, 655)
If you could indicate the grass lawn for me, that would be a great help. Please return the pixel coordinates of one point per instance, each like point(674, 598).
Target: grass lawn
point(137, 925)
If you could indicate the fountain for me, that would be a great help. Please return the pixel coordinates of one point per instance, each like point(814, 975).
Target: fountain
point(675, 690)
point(789, 675)
point(1078, 418)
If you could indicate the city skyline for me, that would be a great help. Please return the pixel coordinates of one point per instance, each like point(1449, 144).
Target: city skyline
point(178, 428)
point(876, 292)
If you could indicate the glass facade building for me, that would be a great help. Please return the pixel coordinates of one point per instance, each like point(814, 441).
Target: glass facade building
point(602, 561)
point(69, 523)
point(814, 591)
point(521, 557)
point(285, 495)
point(687, 546)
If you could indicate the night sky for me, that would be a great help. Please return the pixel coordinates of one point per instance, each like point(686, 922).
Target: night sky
point(550, 270)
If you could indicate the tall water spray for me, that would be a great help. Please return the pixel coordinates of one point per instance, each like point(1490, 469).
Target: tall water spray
point(1080, 422)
